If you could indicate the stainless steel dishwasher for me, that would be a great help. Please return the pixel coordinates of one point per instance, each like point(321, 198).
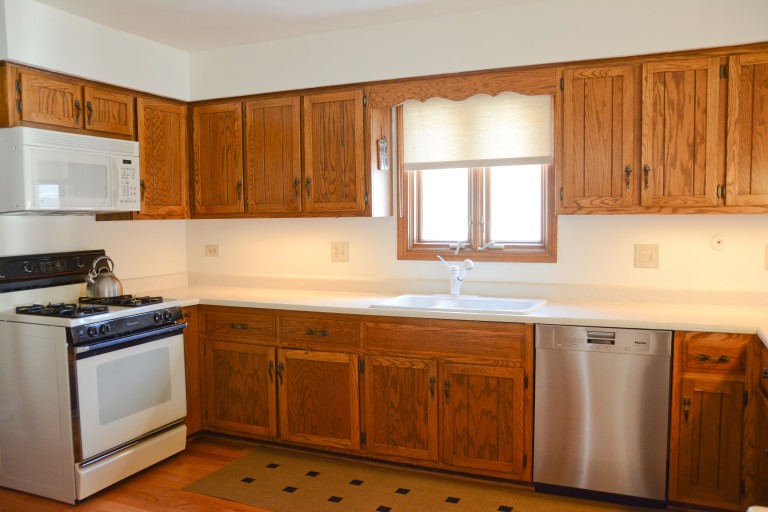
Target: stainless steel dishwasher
point(601, 413)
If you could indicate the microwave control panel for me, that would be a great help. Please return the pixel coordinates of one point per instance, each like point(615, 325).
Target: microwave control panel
point(129, 196)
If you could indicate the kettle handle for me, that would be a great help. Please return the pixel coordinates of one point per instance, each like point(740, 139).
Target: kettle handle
point(94, 272)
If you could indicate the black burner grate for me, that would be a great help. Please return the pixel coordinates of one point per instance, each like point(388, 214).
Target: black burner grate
point(127, 301)
point(62, 309)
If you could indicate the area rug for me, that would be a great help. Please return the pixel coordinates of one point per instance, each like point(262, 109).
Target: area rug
point(286, 481)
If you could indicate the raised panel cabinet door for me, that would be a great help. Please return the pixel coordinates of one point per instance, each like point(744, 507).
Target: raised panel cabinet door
point(747, 164)
point(761, 481)
point(217, 147)
point(109, 111)
point(45, 99)
point(193, 363)
point(706, 457)
point(599, 118)
point(162, 139)
point(401, 397)
point(240, 384)
point(682, 133)
point(273, 155)
point(319, 398)
point(334, 171)
point(487, 419)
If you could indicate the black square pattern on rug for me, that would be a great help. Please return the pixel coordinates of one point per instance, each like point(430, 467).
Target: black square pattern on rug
point(273, 466)
point(313, 473)
point(402, 491)
point(248, 480)
point(505, 508)
point(290, 489)
point(335, 499)
point(451, 499)
point(356, 482)
point(382, 508)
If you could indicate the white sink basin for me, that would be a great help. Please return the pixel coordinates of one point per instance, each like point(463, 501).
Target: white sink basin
point(462, 304)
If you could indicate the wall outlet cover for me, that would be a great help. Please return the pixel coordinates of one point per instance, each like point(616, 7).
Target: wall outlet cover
point(340, 252)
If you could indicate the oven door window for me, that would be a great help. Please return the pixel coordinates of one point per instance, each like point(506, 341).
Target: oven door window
point(127, 393)
point(70, 179)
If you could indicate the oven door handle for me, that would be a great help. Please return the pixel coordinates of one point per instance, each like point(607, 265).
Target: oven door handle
point(102, 347)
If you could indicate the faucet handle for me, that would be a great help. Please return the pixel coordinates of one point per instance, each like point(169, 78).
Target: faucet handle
point(446, 263)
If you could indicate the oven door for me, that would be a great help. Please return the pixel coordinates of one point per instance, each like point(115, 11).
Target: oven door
point(129, 388)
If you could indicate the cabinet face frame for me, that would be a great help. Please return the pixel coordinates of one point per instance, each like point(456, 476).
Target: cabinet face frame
point(747, 161)
point(593, 147)
point(665, 116)
point(401, 419)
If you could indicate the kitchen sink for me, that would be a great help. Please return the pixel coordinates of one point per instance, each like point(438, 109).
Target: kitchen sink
point(462, 304)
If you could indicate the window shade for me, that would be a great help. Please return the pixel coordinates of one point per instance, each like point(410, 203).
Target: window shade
point(481, 131)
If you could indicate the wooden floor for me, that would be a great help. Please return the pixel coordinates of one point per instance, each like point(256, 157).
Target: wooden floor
point(156, 489)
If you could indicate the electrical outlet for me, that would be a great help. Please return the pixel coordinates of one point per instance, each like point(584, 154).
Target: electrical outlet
point(212, 250)
point(340, 251)
point(646, 256)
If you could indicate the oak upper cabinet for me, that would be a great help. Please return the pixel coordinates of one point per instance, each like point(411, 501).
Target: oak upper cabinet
point(217, 149)
point(240, 375)
point(747, 162)
point(319, 398)
point(162, 136)
point(683, 133)
point(599, 169)
point(334, 171)
point(708, 411)
point(47, 99)
point(484, 418)
point(401, 406)
point(273, 155)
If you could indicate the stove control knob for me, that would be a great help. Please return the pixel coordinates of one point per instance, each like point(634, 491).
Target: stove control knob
point(92, 331)
point(158, 317)
point(168, 316)
point(104, 329)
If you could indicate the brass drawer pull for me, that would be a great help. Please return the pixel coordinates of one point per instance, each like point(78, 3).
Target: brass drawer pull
point(702, 357)
point(244, 327)
point(713, 359)
point(723, 359)
point(271, 369)
point(280, 370)
point(686, 409)
point(764, 373)
point(447, 389)
point(432, 382)
point(321, 332)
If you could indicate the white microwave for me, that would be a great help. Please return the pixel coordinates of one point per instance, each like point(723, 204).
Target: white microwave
point(44, 171)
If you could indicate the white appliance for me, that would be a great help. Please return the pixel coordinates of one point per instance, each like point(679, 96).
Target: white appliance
point(44, 171)
point(91, 391)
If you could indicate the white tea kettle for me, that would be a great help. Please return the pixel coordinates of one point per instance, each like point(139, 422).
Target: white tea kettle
point(101, 282)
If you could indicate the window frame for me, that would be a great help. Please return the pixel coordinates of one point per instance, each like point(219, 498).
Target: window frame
point(409, 247)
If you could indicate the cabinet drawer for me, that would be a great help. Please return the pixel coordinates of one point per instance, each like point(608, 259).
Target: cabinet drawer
point(449, 337)
point(715, 352)
point(764, 372)
point(238, 324)
point(319, 331)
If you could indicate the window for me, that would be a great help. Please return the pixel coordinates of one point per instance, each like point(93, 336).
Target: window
point(477, 178)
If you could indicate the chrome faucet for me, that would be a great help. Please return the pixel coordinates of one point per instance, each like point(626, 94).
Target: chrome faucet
point(457, 276)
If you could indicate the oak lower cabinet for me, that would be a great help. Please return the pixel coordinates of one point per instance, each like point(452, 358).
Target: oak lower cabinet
point(193, 371)
point(318, 396)
point(401, 407)
point(761, 481)
point(709, 403)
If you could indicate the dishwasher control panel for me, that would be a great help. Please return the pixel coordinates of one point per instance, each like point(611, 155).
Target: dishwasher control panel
point(598, 339)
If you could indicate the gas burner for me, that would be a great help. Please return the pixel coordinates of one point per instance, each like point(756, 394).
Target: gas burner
point(61, 309)
point(127, 301)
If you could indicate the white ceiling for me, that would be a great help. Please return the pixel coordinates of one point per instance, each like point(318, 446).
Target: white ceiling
point(199, 25)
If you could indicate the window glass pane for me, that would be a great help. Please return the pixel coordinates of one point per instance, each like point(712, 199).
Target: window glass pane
point(515, 203)
point(444, 205)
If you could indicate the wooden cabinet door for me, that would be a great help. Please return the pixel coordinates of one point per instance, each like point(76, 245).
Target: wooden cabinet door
point(682, 134)
point(46, 99)
point(319, 398)
point(401, 398)
point(747, 165)
point(334, 174)
point(218, 158)
point(273, 155)
point(706, 454)
point(485, 417)
point(761, 481)
point(240, 387)
point(193, 363)
point(599, 118)
point(162, 139)
point(109, 111)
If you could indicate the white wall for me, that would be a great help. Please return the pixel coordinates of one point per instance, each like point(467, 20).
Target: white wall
point(520, 34)
point(41, 36)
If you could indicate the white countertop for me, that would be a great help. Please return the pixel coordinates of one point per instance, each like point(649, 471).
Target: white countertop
point(708, 318)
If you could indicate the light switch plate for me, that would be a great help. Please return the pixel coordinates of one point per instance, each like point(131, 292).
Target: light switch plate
point(646, 256)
